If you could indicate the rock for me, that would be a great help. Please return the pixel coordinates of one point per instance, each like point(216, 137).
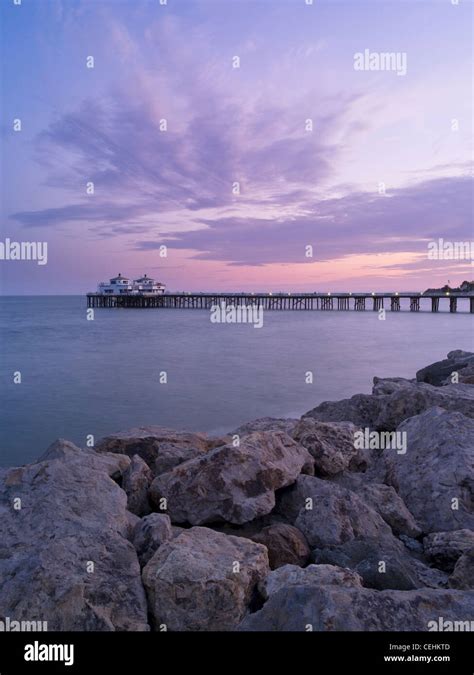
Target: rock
point(382, 563)
point(464, 376)
point(362, 410)
point(411, 544)
point(385, 411)
point(203, 580)
point(445, 548)
point(313, 575)
point(234, 484)
point(463, 575)
point(286, 545)
point(136, 483)
point(344, 608)
point(331, 444)
point(436, 474)
point(162, 449)
point(60, 449)
point(391, 507)
point(266, 424)
point(335, 514)
point(65, 557)
point(437, 372)
point(150, 533)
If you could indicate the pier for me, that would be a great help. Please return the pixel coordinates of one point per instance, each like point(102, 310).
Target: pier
point(337, 301)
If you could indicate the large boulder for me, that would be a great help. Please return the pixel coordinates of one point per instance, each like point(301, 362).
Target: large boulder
point(286, 545)
point(391, 507)
point(313, 575)
point(329, 607)
point(437, 373)
point(65, 557)
point(393, 401)
point(444, 549)
point(203, 580)
point(332, 446)
point(435, 478)
point(233, 484)
point(381, 563)
point(161, 448)
point(328, 514)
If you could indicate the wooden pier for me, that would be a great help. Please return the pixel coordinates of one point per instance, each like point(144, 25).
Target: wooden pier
point(283, 301)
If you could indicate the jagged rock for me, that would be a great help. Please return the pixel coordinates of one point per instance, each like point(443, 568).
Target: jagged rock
point(362, 410)
point(437, 373)
point(234, 484)
point(385, 411)
point(435, 478)
point(343, 608)
point(114, 465)
point(150, 533)
point(286, 545)
point(203, 580)
point(445, 548)
point(161, 448)
point(331, 444)
point(313, 575)
point(391, 507)
point(136, 483)
point(266, 424)
point(65, 557)
point(60, 449)
point(463, 575)
point(328, 514)
point(382, 563)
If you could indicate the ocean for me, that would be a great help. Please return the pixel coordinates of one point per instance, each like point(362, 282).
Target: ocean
point(81, 377)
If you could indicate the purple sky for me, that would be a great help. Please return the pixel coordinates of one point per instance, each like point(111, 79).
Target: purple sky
point(226, 125)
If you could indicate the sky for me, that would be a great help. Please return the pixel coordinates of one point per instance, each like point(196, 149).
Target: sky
point(239, 135)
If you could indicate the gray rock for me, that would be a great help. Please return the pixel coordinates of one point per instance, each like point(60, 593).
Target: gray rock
point(437, 372)
point(381, 563)
point(266, 424)
point(65, 557)
point(150, 533)
point(161, 448)
point(331, 444)
point(343, 608)
point(234, 484)
point(203, 580)
point(136, 483)
point(463, 575)
point(328, 514)
point(313, 575)
point(286, 545)
point(391, 507)
point(437, 471)
point(445, 548)
point(385, 411)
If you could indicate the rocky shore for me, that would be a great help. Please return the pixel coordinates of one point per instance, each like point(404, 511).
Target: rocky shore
point(358, 516)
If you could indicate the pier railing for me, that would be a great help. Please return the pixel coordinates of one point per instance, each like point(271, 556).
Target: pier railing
point(285, 301)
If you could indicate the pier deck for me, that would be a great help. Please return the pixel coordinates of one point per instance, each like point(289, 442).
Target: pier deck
point(284, 301)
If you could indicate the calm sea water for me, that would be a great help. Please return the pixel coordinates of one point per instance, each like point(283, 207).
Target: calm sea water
point(97, 377)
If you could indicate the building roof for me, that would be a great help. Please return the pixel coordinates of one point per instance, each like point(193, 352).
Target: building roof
point(120, 277)
point(144, 278)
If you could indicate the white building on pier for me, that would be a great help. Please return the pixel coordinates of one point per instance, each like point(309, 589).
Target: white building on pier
point(120, 285)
